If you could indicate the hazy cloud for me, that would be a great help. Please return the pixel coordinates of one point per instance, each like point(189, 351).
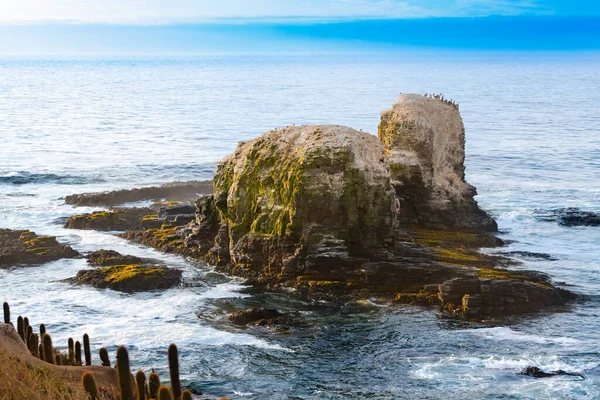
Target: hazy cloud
point(162, 11)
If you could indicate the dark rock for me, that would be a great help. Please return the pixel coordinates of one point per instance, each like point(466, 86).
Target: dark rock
point(538, 373)
point(180, 211)
point(175, 191)
point(268, 318)
point(475, 298)
point(26, 247)
point(532, 256)
point(254, 315)
point(569, 216)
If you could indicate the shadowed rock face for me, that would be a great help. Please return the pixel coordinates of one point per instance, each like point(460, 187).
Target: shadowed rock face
point(424, 140)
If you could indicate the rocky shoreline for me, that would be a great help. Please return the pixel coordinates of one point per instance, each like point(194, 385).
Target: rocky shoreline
point(332, 213)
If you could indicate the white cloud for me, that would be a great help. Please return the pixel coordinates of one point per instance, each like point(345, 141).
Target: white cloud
point(165, 11)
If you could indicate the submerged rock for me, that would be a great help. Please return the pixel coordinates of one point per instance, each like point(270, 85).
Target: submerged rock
point(26, 247)
point(538, 373)
point(268, 318)
point(570, 216)
point(175, 191)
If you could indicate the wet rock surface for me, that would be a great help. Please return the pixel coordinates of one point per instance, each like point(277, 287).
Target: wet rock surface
point(175, 191)
point(570, 216)
point(26, 247)
point(268, 318)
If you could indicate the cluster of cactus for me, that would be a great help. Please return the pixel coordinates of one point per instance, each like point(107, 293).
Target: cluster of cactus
point(145, 389)
point(441, 98)
point(41, 345)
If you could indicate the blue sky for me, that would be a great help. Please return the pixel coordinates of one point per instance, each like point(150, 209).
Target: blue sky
point(295, 25)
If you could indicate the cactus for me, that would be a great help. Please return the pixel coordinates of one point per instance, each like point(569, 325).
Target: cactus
point(25, 326)
point(6, 313)
point(42, 329)
point(124, 374)
point(140, 380)
point(41, 351)
point(153, 385)
point(57, 359)
point(48, 350)
point(34, 344)
point(20, 328)
point(164, 393)
point(28, 333)
point(86, 349)
point(174, 371)
point(186, 395)
point(71, 346)
point(77, 353)
point(104, 357)
point(89, 384)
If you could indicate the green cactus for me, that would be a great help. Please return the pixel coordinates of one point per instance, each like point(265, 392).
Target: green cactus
point(153, 385)
point(41, 351)
point(57, 359)
point(28, 333)
point(140, 380)
point(86, 349)
point(20, 327)
point(174, 371)
point(42, 329)
point(89, 384)
point(124, 374)
point(71, 346)
point(186, 395)
point(104, 357)
point(164, 393)
point(77, 353)
point(6, 313)
point(25, 326)
point(34, 345)
point(48, 349)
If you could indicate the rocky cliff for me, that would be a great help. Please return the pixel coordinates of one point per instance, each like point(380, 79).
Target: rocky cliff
point(424, 140)
point(337, 214)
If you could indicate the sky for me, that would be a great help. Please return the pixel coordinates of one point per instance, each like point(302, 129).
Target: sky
point(302, 25)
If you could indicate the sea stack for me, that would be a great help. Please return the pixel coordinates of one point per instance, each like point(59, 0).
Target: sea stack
point(424, 140)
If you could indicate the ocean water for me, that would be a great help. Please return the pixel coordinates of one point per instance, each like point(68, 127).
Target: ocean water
point(81, 124)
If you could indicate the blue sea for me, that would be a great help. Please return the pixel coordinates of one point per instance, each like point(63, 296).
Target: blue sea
point(74, 124)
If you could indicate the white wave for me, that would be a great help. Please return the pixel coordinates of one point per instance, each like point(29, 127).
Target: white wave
point(506, 333)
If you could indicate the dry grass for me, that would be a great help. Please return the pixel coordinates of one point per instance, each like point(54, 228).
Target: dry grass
point(21, 380)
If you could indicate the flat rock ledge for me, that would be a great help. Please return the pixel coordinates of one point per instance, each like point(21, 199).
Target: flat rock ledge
point(175, 191)
point(21, 247)
point(126, 273)
point(120, 219)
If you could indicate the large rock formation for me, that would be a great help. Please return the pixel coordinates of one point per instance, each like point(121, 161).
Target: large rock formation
point(337, 213)
point(308, 183)
point(424, 140)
